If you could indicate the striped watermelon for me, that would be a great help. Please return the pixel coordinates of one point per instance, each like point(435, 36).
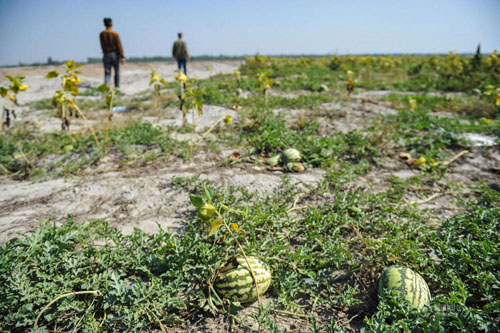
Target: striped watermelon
point(406, 283)
point(235, 280)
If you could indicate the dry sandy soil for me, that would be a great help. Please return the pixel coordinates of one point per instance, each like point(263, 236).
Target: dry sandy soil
point(144, 197)
point(134, 76)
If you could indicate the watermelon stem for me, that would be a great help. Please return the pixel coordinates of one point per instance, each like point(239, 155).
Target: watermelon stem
point(248, 264)
point(300, 315)
point(210, 291)
point(194, 147)
point(74, 293)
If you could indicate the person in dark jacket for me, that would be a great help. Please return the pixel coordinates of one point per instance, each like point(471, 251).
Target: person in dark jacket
point(180, 52)
point(112, 52)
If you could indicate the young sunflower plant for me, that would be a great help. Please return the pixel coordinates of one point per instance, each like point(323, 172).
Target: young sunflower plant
point(156, 80)
point(239, 91)
point(9, 96)
point(182, 79)
point(265, 83)
point(109, 96)
point(194, 98)
point(65, 98)
point(350, 83)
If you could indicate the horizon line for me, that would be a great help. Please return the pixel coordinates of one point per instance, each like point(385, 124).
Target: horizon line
point(92, 60)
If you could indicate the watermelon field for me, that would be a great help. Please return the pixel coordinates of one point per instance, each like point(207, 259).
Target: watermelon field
point(271, 194)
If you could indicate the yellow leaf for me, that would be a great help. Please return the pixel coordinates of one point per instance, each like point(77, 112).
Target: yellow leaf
point(70, 64)
point(413, 103)
point(13, 98)
point(207, 211)
point(154, 78)
point(181, 77)
point(74, 90)
point(23, 87)
point(237, 212)
point(208, 207)
point(420, 161)
point(214, 226)
point(3, 91)
point(59, 97)
point(235, 227)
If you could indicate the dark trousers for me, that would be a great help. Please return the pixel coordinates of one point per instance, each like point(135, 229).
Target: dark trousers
point(182, 63)
point(111, 59)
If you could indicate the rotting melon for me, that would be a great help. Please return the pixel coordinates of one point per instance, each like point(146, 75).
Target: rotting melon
point(405, 283)
point(237, 283)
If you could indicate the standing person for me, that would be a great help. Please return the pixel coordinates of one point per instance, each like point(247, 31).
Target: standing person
point(180, 52)
point(112, 52)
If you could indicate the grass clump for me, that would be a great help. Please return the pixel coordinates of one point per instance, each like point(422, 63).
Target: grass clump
point(271, 134)
point(23, 151)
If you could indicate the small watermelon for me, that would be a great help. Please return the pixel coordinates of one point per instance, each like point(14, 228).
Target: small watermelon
point(290, 155)
point(235, 280)
point(406, 283)
point(294, 167)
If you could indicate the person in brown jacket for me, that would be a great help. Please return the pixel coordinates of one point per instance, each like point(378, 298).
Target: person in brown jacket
point(180, 52)
point(112, 52)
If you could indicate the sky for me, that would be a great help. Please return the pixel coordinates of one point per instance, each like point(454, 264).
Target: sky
point(33, 30)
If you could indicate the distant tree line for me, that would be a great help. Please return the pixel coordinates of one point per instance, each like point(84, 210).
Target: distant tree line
point(94, 60)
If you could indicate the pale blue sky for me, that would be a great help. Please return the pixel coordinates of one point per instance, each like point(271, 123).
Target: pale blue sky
point(32, 30)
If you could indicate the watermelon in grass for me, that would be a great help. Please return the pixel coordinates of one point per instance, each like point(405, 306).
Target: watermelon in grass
point(406, 283)
point(236, 282)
